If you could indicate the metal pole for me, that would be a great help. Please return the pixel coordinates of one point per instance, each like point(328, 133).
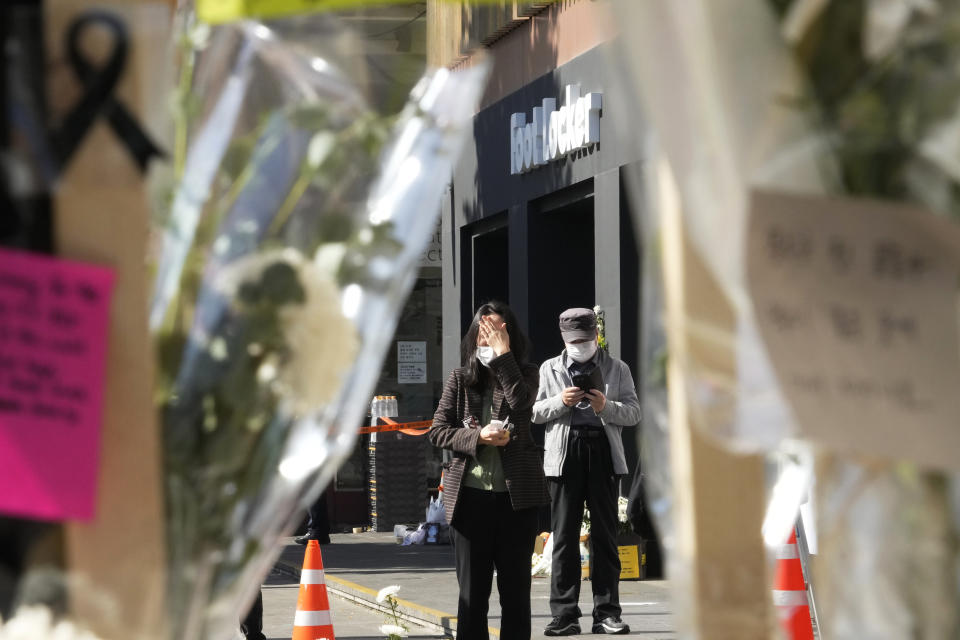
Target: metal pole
point(805, 564)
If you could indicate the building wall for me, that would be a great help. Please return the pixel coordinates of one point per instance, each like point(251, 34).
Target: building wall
point(524, 40)
point(578, 202)
point(484, 193)
point(456, 28)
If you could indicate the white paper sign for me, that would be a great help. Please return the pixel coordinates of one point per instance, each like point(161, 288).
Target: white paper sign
point(856, 301)
point(411, 372)
point(415, 351)
point(411, 361)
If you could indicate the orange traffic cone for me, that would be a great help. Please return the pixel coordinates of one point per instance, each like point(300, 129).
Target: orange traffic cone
point(312, 620)
point(790, 593)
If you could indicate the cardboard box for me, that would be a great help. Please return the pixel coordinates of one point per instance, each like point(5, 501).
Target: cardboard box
point(101, 216)
point(540, 542)
point(633, 559)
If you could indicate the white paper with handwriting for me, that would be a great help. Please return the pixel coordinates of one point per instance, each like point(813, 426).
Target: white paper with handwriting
point(856, 302)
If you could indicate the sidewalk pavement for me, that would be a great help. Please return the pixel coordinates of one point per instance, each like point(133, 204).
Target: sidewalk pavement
point(358, 565)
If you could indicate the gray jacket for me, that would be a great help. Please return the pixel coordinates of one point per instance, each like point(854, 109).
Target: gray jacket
point(622, 409)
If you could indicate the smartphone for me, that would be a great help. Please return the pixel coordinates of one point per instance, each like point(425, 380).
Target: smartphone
point(471, 422)
point(508, 427)
point(589, 381)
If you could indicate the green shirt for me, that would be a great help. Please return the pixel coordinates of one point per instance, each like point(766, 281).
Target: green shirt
point(485, 472)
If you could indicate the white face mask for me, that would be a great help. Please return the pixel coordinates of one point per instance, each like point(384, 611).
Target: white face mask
point(581, 352)
point(485, 355)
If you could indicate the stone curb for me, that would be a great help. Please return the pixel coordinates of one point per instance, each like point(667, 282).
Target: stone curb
point(411, 612)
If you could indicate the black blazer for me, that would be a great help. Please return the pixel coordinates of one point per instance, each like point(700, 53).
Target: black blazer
point(514, 392)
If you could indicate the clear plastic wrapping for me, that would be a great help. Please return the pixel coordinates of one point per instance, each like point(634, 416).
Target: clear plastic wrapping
point(820, 98)
point(292, 242)
point(290, 222)
point(887, 562)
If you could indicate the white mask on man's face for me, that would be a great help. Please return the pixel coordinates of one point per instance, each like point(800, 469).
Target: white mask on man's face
point(582, 351)
point(485, 355)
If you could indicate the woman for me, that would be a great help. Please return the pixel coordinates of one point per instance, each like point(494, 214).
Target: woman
point(495, 483)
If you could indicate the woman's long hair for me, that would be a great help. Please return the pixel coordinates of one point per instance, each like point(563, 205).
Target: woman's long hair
point(476, 373)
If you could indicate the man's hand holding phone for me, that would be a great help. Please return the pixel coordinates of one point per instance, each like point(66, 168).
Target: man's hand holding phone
point(571, 396)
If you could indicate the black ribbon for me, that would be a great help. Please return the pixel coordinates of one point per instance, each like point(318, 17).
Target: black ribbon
point(97, 100)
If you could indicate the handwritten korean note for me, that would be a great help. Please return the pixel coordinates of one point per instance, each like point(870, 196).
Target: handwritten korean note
point(856, 301)
point(53, 343)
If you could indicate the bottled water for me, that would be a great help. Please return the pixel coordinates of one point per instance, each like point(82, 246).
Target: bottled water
point(392, 409)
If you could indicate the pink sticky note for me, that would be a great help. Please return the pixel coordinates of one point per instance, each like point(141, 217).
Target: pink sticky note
point(54, 317)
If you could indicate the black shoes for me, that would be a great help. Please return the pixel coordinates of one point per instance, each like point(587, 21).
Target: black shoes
point(562, 626)
point(611, 625)
point(310, 535)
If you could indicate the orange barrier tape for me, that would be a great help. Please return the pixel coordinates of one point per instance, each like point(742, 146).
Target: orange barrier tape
point(409, 428)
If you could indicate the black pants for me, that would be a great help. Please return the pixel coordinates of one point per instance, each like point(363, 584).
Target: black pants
point(252, 625)
point(319, 522)
point(488, 534)
point(587, 476)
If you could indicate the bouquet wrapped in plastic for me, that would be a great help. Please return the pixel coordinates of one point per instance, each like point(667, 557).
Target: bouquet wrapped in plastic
point(809, 148)
point(294, 229)
point(290, 222)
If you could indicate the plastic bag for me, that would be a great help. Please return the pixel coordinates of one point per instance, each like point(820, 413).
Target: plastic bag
point(542, 563)
point(417, 536)
point(435, 511)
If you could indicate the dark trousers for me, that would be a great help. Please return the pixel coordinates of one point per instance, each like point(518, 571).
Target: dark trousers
point(319, 522)
point(587, 476)
point(252, 625)
point(488, 534)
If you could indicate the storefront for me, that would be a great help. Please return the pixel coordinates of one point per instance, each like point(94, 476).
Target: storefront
point(537, 215)
point(412, 373)
point(541, 230)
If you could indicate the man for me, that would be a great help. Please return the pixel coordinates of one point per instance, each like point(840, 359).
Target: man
point(318, 524)
point(583, 455)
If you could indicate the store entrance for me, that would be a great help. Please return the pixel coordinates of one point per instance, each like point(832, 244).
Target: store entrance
point(490, 267)
point(561, 263)
point(485, 266)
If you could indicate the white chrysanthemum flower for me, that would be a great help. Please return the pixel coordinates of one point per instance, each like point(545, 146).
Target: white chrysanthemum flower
point(323, 342)
point(36, 623)
point(387, 592)
point(393, 630)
